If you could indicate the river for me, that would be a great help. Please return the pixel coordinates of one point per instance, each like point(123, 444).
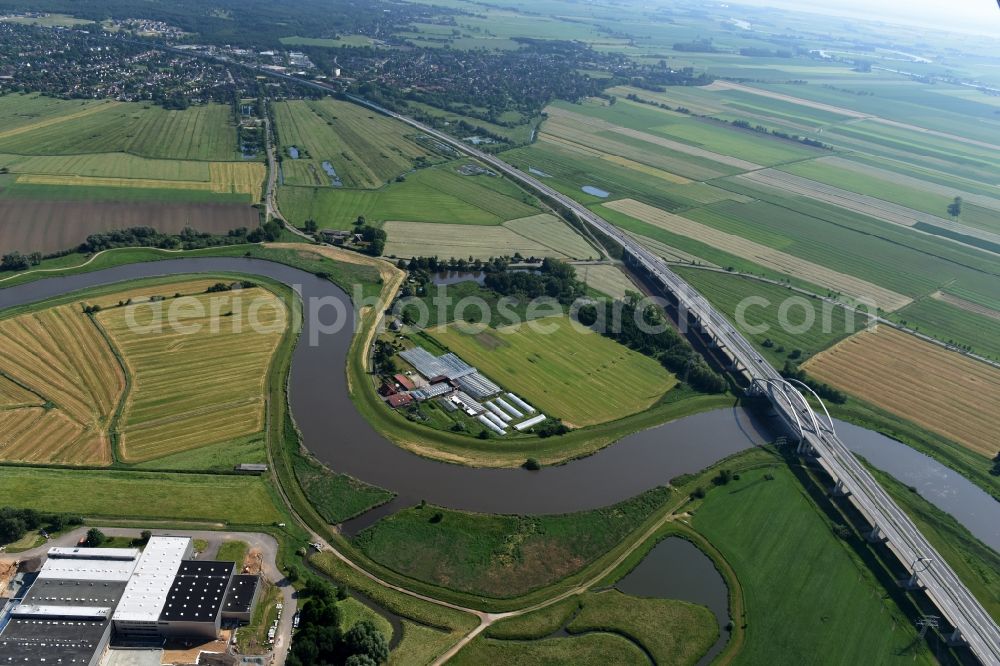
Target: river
point(339, 436)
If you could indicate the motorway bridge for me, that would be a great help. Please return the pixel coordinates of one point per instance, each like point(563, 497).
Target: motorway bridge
point(816, 435)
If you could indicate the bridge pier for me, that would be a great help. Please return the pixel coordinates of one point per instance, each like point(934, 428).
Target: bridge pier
point(913, 583)
point(876, 536)
point(956, 639)
point(840, 490)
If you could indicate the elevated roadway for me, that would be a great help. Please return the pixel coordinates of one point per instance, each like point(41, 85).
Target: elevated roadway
point(817, 436)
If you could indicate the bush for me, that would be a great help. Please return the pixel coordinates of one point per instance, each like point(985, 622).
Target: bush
point(532, 464)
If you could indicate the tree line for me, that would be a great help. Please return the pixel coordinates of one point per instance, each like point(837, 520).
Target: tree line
point(633, 327)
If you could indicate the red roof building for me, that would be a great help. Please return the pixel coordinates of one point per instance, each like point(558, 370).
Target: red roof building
point(399, 400)
point(405, 382)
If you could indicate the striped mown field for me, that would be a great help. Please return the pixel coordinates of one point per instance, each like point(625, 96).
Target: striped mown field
point(200, 381)
point(191, 384)
point(62, 383)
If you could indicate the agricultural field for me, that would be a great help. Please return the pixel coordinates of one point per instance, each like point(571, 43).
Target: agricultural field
point(222, 177)
point(64, 385)
point(437, 194)
point(607, 279)
point(939, 390)
point(796, 342)
point(60, 384)
point(365, 148)
point(199, 382)
point(500, 556)
point(38, 224)
point(950, 318)
point(852, 287)
point(776, 540)
point(73, 127)
point(579, 376)
point(541, 235)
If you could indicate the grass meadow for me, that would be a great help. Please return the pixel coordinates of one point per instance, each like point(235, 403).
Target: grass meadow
point(776, 540)
point(500, 556)
point(726, 291)
point(581, 377)
point(243, 500)
point(428, 195)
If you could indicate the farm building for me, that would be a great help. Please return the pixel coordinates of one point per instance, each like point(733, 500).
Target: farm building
point(397, 400)
point(405, 382)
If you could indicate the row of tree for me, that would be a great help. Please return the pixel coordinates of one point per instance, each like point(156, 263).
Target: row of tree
point(634, 325)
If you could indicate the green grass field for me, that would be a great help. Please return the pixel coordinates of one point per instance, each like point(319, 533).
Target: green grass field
point(365, 148)
point(581, 377)
point(672, 632)
point(726, 292)
point(233, 551)
point(245, 500)
point(948, 322)
point(597, 648)
point(777, 541)
point(500, 556)
point(337, 497)
point(428, 195)
point(71, 127)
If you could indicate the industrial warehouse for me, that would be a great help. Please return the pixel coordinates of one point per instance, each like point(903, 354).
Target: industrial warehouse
point(84, 600)
point(456, 385)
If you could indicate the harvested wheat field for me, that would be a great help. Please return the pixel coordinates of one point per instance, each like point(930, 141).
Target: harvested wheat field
point(64, 382)
point(940, 390)
point(199, 382)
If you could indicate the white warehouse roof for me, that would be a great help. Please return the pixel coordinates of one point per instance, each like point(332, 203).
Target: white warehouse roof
point(74, 568)
point(147, 590)
point(95, 553)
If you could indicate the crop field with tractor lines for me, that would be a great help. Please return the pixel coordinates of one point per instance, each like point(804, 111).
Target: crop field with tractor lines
point(197, 133)
point(192, 388)
point(61, 356)
point(365, 148)
point(937, 389)
point(63, 384)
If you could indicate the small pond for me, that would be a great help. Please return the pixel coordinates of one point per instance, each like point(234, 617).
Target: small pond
point(595, 191)
point(676, 569)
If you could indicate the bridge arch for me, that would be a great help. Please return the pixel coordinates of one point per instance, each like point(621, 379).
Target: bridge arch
point(822, 404)
point(781, 386)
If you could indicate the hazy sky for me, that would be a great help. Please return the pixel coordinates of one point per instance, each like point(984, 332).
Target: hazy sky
point(981, 15)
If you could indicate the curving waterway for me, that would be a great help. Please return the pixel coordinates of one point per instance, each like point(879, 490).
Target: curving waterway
point(339, 436)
